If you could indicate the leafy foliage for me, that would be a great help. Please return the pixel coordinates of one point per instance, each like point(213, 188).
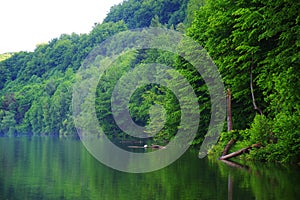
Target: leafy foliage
point(139, 13)
point(36, 88)
point(258, 38)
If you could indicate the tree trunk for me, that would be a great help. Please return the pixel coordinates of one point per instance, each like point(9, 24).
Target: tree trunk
point(239, 152)
point(236, 153)
point(229, 123)
point(228, 146)
point(229, 113)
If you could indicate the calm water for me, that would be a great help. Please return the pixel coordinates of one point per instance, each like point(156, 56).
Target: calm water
point(52, 168)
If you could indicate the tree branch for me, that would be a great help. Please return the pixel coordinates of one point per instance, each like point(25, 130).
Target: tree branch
point(239, 152)
point(252, 90)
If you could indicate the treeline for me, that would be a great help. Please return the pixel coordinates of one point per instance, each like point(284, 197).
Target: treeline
point(254, 43)
point(139, 13)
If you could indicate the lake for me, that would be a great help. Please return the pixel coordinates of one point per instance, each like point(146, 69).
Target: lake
point(56, 168)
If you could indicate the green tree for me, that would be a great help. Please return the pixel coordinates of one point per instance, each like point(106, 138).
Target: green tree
point(7, 123)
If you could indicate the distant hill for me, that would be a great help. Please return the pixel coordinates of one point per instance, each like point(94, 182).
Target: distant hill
point(5, 56)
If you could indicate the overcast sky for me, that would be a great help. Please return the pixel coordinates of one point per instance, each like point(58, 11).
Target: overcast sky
point(26, 23)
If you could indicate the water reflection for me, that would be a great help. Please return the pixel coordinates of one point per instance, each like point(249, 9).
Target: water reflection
point(264, 180)
point(52, 168)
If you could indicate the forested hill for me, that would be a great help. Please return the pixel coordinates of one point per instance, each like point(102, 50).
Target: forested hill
point(255, 44)
point(36, 87)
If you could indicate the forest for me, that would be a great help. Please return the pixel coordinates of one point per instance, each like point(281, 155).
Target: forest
point(254, 43)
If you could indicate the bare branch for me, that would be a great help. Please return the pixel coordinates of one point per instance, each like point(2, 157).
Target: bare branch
point(252, 90)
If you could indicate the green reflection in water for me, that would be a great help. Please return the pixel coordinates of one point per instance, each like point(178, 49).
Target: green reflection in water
point(52, 168)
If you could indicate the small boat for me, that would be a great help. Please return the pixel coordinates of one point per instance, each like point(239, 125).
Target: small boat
point(153, 146)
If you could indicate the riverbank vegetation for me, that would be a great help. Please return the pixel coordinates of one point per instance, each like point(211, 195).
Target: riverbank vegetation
point(254, 43)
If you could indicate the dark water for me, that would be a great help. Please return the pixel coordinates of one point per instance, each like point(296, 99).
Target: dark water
point(52, 168)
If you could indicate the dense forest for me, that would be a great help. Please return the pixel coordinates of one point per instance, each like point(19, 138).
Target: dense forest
point(254, 43)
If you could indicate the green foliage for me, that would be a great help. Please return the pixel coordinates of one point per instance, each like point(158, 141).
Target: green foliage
point(261, 130)
point(262, 38)
point(249, 38)
point(287, 132)
point(7, 123)
point(36, 88)
point(104, 93)
point(139, 13)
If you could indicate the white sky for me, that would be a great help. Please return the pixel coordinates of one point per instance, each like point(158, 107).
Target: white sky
point(26, 23)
